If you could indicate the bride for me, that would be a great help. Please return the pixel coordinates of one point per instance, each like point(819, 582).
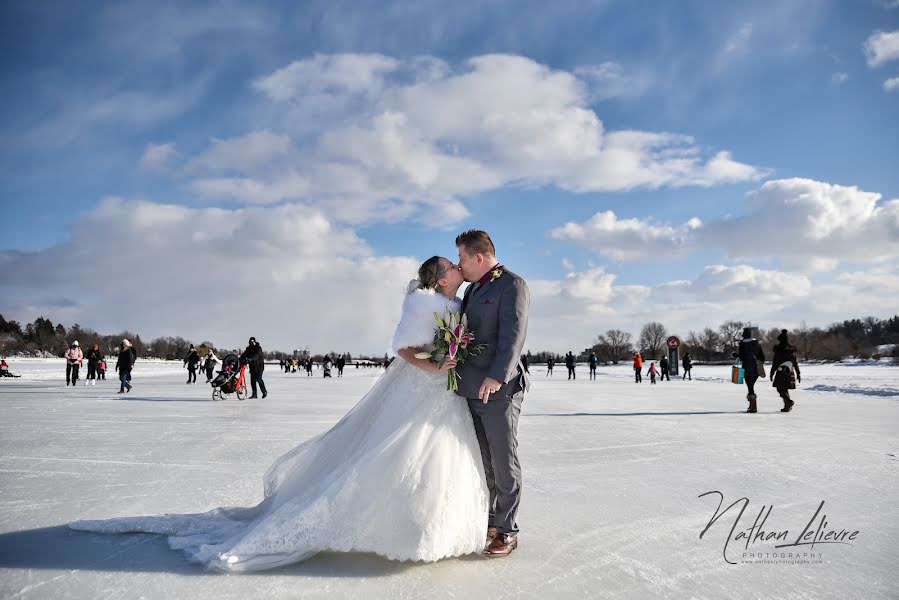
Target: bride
point(400, 475)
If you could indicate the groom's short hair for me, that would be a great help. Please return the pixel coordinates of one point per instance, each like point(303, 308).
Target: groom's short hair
point(475, 241)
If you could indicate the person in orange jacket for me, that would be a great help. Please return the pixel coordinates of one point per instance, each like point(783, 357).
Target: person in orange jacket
point(638, 366)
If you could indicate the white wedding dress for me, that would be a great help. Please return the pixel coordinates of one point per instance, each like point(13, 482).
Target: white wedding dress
point(400, 475)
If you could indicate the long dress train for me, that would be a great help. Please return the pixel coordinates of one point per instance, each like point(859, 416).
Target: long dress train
point(400, 475)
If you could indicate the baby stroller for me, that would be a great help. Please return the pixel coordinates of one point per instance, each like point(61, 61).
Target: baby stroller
point(232, 378)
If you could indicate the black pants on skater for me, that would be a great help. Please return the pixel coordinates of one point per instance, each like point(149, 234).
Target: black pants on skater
point(665, 373)
point(92, 369)
point(687, 374)
point(750, 383)
point(191, 374)
point(72, 373)
point(638, 378)
point(592, 371)
point(256, 378)
point(571, 374)
point(209, 369)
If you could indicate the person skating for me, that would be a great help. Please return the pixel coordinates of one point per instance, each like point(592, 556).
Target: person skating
point(570, 364)
point(638, 368)
point(309, 366)
point(101, 369)
point(341, 363)
point(652, 372)
point(73, 357)
point(752, 358)
point(254, 357)
point(785, 369)
point(525, 363)
point(687, 363)
point(593, 360)
point(550, 363)
point(93, 356)
point(326, 366)
point(664, 369)
point(191, 361)
point(124, 365)
point(211, 361)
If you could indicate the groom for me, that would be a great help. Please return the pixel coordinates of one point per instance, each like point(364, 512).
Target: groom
point(494, 382)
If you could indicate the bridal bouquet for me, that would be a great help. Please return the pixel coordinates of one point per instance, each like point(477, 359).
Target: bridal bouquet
point(452, 340)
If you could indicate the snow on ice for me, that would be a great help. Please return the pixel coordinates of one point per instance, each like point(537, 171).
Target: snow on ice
point(615, 475)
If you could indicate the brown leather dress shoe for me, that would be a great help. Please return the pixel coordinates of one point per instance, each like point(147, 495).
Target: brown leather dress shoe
point(491, 535)
point(502, 545)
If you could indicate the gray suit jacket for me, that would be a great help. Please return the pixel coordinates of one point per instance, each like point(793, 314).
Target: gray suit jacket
point(498, 316)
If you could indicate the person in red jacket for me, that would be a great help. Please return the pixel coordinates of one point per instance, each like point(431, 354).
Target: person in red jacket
point(638, 367)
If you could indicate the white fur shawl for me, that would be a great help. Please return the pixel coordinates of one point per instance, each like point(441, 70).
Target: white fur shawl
point(417, 325)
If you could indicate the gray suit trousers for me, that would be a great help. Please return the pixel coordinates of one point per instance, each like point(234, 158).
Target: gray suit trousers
point(496, 425)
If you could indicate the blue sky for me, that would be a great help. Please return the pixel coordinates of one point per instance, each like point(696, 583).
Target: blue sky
point(385, 128)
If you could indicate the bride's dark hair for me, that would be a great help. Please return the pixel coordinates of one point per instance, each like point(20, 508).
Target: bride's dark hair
point(429, 273)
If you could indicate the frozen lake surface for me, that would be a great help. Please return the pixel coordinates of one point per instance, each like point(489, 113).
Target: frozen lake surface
point(612, 471)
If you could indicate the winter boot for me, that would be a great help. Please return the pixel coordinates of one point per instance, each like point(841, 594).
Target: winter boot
point(752, 408)
point(788, 406)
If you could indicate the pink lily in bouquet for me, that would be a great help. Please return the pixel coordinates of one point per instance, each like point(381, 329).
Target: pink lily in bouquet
point(452, 340)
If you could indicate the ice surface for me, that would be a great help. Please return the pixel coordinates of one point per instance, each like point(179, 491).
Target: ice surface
point(612, 477)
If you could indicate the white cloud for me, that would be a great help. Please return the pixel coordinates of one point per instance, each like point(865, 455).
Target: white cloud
point(375, 138)
point(627, 239)
point(567, 264)
point(839, 78)
point(891, 84)
point(157, 156)
point(810, 224)
point(739, 40)
point(611, 80)
point(221, 274)
point(327, 76)
point(882, 47)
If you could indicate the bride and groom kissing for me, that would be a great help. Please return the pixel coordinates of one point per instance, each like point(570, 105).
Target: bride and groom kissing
point(412, 472)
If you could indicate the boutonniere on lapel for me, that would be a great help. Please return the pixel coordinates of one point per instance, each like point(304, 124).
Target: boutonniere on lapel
point(496, 274)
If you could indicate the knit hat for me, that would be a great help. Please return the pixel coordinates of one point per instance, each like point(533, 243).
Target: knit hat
point(747, 333)
point(126, 343)
point(782, 338)
point(75, 343)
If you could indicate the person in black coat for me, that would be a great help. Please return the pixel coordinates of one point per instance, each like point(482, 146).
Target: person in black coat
point(687, 362)
point(255, 359)
point(569, 363)
point(593, 361)
point(341, 363)
point(93, 356)
point(785, 369)
point(191, 361)
point(663, 365)
point(752, 358)
point(550, 363)
point(124, 365)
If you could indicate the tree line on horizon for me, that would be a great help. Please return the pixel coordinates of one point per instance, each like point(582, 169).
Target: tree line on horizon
point(852, 338)
point(42, 338)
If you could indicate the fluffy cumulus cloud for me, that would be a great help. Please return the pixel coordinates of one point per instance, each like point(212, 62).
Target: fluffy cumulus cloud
point(809, 224)
point(628, 239)
point(377, 138)
point(891, 84)
point(271, 272)
point(805, 224)
point(882, 47)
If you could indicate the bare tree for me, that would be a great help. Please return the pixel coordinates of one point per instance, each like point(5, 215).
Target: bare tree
point(652, 338)
point(615, 343)
point(709, 340)
point(729, 332)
